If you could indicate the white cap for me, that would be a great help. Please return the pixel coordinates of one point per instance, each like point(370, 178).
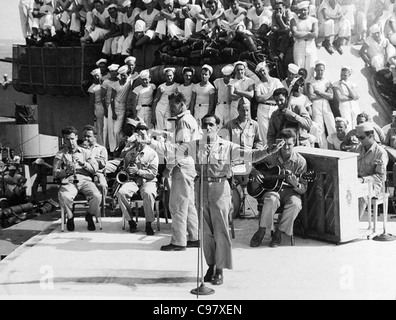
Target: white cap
point(375, 28)
point(126, 3)
point(188, 69)
point(12, 167)
point(293, 68)
point(113, 67)
point(227, 70)
point(168, 1)
point(393, 113)
point(260, 66)
point(349, 68)
point(112, 6)
point(303, 4)
point(140, 26)
point(340, 119)
point(144, 74)
point(147, 1)
point(123, 70)
point(240, 62)
point(46, 9)
point(169, 69)
point(101, 61)
point(322, 62)
point(130, 59)
point(206, 66)
point(183, 2)
point(96, 72)
point(365, 126)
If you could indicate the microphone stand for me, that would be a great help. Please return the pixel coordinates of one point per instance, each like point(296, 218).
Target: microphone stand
point(201, 289)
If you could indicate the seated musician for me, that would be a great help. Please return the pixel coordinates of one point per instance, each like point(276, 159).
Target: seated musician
point(289, 195)
point(141, 165)
point(15, 189)
point(99, 153)
point(292, 116)
point(74, 166)
point(243, 130)
point(372, 161)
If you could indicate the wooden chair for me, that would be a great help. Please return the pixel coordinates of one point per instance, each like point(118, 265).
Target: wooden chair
point(136, 202)
point(80, 200)
point(374, 203)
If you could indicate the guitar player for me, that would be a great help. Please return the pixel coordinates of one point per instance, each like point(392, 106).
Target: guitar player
point(289, 195)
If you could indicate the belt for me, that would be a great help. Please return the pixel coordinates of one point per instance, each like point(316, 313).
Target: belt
point(224, 102)
point(146, 105)
point(203, 105)
point(213, 179)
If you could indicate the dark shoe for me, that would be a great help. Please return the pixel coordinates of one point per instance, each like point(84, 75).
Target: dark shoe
point(276, 239)
point(209, 275)
point(70, 224)
point(257, 238)
point(172, 247)
point(218, 278)
point(132, 226)
point(91, 224)
point(326, 44)
point(193, 244)
point(339, 49)
point(149, 230)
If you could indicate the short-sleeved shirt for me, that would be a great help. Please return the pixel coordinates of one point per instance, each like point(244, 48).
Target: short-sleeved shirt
point(121, 91)
point(167, 91)
point(148, 18)
point(96, 90)
point(258, 20)
point(203, 93)
point(145, 95)
point(223, 92)
point(187, 91)
point(107, 85)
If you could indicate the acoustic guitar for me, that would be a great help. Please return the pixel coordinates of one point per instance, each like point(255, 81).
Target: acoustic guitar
point(263, 178)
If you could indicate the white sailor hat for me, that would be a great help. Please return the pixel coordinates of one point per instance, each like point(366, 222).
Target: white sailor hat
point(240, 62)
point(113, 67)
point(169, 69)
point(96, 72)
point(341, 119)
point(112, 6)
point(147, 1)
point(318, 62)
point(227, 70)
point(261, 66)
point(394, 114)
point(365, 127)
point(208, 67)
point(303, 4)
point(168, 1)
point(188, 69)
point(123, 70)
point(183, 2)
point(12, 167)
point(126, 3)
point(144, 74)
point(349, 68)
point(130, 59)
point(375, 28)
point(293, 68)
point(101, 61)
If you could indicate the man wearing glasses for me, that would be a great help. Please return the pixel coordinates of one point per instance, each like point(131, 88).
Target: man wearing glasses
point(372, 161)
